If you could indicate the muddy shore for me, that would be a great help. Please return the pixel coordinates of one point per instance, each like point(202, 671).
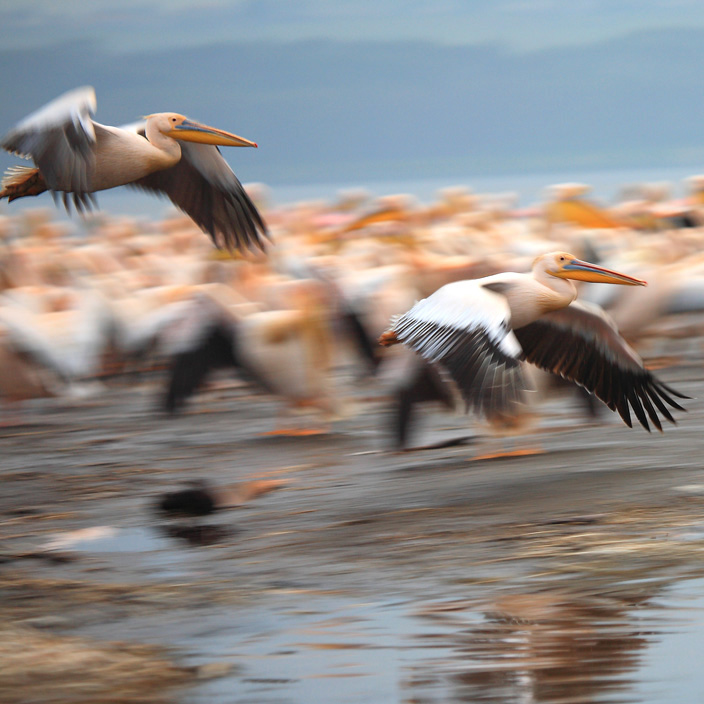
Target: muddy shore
point(366, 576)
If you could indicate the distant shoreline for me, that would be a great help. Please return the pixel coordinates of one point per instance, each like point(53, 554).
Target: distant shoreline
point(529, 188)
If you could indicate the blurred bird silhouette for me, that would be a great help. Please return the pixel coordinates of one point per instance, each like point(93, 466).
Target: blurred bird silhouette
point(285, 352)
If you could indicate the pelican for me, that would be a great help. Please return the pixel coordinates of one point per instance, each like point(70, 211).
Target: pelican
point(568, 205)
point(481, 330)
point(285, 352)
point(167, 154)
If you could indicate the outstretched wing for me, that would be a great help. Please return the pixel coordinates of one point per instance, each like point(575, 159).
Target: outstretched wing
point(205, 341)
point(581, 343)
point(464, 327)
point(60, 139)
point(204, 186)
point(190, 368)
point(208, 339)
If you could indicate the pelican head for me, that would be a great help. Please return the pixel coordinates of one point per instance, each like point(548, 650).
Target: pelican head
point(179, 127)
point(567, 266)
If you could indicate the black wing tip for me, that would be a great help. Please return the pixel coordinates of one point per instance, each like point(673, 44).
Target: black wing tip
point(661, 385)
point(661, 392)
point(234, 246)
point(253, 239)
point(679, 395)
point(641, 399)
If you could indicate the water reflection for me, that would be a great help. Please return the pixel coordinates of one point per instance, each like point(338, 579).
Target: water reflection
point(551, 646)
point(544, 647)
point(198, 535)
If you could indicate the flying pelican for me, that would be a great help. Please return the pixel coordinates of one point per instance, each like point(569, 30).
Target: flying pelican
point(167, 154)
point(480, 330)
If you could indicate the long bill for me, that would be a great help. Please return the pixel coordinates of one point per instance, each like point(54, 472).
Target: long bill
point(584, 271)
point(192, 131)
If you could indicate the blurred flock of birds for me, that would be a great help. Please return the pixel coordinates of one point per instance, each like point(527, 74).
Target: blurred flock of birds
point(91, 302)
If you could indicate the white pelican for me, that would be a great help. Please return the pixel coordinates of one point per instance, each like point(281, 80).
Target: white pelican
point(168, 154)
point(480, 330)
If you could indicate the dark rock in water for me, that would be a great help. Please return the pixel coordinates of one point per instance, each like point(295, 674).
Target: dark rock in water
point(196, 501)
point(202, 500)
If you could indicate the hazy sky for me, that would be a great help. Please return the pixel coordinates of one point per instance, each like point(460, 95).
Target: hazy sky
point(615, 83)
point(520, 24)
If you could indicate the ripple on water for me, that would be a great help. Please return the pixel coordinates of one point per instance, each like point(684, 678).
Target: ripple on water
point(550, 646)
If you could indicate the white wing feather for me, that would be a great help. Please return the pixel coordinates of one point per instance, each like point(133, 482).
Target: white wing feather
point(465, 328)
point(59, 138)
point(462, 306)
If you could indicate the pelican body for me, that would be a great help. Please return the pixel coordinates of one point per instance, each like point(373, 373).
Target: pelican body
point(167, 154)
point(481, 330)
